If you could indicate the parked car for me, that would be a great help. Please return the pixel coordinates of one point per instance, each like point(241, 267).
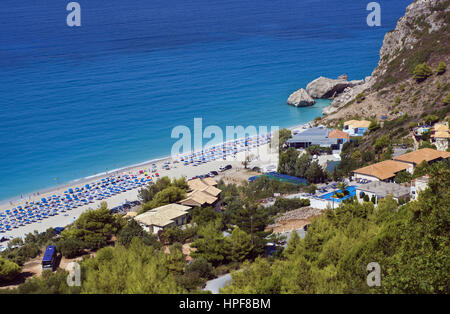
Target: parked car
point(224, 168)
point(58, 230)
point(213, 173)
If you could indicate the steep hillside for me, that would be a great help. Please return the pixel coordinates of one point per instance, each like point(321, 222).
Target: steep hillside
point(422, 35)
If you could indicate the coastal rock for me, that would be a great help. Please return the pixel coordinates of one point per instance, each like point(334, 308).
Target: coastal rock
point(326, 88)
point(343, 77)
point(300, 98)
point(347, 95)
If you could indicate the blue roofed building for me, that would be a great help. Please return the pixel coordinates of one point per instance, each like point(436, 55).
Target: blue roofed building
point(320, 136)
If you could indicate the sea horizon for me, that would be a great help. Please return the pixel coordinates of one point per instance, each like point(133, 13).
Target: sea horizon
point(79, 102)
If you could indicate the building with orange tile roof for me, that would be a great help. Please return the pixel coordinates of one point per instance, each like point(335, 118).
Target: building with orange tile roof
point(440, 136)
point(425, 154)
point(339, 135)
point(382, 171)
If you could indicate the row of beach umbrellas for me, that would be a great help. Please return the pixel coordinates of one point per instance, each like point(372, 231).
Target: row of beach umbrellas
point(72, 198)
point(224, 150)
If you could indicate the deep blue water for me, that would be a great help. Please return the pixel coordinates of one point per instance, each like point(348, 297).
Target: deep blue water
point(77, 101)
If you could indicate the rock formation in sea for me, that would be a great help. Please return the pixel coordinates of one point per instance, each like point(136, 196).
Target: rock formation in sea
point(327, 88)
point(300, 98)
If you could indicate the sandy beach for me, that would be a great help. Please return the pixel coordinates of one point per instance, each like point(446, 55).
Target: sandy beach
point(259, 158)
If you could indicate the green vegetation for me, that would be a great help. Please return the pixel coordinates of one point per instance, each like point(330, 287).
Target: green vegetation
point(94, 227)
point(169, 195)
point(373, 125)
point(422, 72)
point(283, 205)
point(410, 243)
point(447, 100)
point(8, 270)
point(381, 143)
point(291, 164)
point(427, 144)
point(360, 97)
point(134, 230)
point(48, 283)
point(162, 192)
point(430, 119)
point(442, 67)
point(283, 136)
point(397, 102)
point(149, 192)
point(70, 247)
point(137, 269)
point(28, 248)
point(403, 177)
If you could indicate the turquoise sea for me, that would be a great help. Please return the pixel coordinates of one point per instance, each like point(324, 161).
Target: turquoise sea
point(79, 101)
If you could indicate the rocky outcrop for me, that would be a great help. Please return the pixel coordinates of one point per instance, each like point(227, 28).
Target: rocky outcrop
point(327, 88)
point(421, 35)
point(300, 98)
point(349, 94)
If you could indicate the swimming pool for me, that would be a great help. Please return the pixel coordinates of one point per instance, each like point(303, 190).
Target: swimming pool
point(351, 189)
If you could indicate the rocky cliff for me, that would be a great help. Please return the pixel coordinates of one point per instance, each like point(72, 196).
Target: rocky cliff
point(421, 36)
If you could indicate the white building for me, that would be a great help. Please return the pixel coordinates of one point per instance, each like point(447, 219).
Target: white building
point(163, 217)
point(418, 185)
point(380, 190)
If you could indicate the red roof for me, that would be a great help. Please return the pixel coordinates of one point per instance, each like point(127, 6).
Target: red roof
point(338, 134)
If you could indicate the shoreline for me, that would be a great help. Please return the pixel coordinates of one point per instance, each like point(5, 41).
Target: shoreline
point(4, 204)
point(176, 170)
point(142, 169)
point(80, 181)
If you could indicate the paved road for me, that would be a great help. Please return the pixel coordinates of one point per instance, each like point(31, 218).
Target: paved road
point(216, 284)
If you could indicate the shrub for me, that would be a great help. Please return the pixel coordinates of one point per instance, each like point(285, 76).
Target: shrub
point(200, 267)
point(430, 119)
point(8, 270)
point(70, 247)
point(402, 177)
point(360, 97)
point(442, 67)
point(381, 143)
point(310, 189)
point(374, 126)
point(412, 125)
point(422, 72)
point(447, 100)
point(134, 230)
